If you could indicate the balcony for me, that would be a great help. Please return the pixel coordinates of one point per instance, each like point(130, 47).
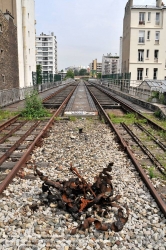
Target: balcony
point(141, 40)
point(141, 22)
point(45, 44)
point(157, 22)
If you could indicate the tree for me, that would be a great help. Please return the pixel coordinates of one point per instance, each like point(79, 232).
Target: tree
point(99, 75)
point(76, 73)
point(38, 74)
point(83, 72)
point(70, 74)
point(61, 70)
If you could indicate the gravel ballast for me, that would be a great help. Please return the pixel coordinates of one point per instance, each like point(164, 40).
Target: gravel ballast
point(49, 227)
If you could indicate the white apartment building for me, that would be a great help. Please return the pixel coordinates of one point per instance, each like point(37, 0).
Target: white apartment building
point(144, 41)
point(46, 53)
point(110, 64)
point(24, 18)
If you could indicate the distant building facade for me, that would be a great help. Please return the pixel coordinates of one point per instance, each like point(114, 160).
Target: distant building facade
point(110, 64)
point(46, 53)
point(144, 41)
point(9, 73)
point(24, 18)
point(95, 68)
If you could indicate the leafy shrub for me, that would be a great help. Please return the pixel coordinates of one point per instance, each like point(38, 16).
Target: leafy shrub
point(33, 107)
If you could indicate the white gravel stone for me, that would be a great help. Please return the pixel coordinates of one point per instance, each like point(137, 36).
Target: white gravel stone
point(89, 152)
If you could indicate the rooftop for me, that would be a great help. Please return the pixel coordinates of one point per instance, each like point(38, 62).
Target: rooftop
point(147, 7)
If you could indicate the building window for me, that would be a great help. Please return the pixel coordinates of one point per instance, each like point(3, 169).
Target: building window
point(1, 53)
point(28, 15)
point(141, 17)
point(147, 53)
point(141, 36)
point(29, 33)
point(155, 70)
point(156, 53)
point(147, 71)
point(139, 74)
point(157, 37)
point(149, 16)
point(148, 34)
point(140, 55)
point(3, 78)
point(157, 19)
point(29, 51)
point(0, 27)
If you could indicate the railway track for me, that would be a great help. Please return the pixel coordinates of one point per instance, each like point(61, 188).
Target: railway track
point(18, 139)
point(149, 154)
point(90, 146)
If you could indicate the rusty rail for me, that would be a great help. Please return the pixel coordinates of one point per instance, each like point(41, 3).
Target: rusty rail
point(159, 143)
point(143, 175)
point(8, 123)
point(25, 156)
point(129, 108)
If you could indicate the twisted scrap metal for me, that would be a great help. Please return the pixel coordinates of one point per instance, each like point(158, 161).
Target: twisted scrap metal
point(76, 196)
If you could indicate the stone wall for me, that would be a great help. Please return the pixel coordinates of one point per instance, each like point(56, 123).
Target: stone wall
point(9, 72)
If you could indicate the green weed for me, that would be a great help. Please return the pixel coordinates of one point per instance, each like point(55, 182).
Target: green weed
point(6, 114)
point(128, 118)
point(34, 108)
point(151, 172)
point(72, 118)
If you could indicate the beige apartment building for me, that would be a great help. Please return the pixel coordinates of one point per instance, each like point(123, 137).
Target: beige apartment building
point(95, 68)
point(23, 13)
point(144, 41)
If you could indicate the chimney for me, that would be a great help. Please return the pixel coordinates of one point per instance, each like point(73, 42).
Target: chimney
point(158, 3)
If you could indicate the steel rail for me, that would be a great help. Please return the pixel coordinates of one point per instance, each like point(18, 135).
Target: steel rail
point(8, 123)
point(25, 156)
point(129, 108)
point(55, 93)
point(3, 139)
point(144, 149)
point(17, 143)
point(159, 143)
point(126, 148)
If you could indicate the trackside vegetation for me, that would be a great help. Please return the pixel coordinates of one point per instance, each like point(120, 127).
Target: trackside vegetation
point(34, 108)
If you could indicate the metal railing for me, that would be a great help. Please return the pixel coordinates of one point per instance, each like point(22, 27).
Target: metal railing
point(10, 96)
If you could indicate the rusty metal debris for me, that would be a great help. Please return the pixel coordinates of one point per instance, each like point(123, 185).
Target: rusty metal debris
point(77, 197)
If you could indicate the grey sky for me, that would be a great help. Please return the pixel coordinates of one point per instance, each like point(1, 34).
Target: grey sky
point(85, 29)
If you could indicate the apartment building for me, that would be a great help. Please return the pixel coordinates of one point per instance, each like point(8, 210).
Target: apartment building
point(95, 68)
point(24, 19)
point(46, 53)
point(144, 41)
point(110, 64)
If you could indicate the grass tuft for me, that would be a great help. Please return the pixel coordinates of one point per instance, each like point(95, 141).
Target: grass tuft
point(34, 108)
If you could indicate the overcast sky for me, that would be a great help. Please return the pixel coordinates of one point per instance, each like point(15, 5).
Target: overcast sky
point(85, 29)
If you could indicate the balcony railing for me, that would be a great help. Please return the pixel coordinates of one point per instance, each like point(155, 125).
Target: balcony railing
point(141, 40)
point(142, 22)
point(157, 22)
point(156, 60)
point(141, 59)
point(156, 41)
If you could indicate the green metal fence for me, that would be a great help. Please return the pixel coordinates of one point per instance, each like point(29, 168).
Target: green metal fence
point(44, 78)
point(118, 76)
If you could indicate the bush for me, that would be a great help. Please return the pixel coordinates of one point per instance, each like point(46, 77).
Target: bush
point(33, 107)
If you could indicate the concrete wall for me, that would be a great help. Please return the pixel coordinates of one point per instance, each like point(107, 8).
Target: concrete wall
point(9, 76)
